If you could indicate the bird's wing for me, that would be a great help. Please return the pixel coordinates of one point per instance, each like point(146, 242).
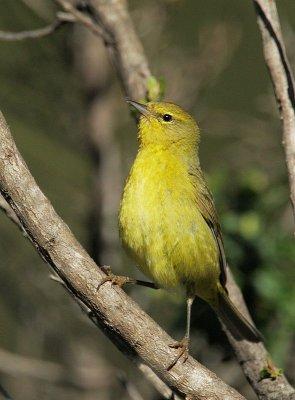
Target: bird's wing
point(206, 206)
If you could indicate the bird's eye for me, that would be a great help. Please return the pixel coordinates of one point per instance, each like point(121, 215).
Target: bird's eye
point(167, 117)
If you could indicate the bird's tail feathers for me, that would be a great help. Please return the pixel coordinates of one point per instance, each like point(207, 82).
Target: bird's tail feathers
point(234, 321)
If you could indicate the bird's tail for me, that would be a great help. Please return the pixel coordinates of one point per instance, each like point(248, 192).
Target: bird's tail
point(235, 322)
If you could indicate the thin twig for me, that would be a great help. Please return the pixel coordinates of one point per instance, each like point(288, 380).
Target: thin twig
point(4, 206)
point(5, 394)
point(129, 387)
point(158, 384)
point(33, 34)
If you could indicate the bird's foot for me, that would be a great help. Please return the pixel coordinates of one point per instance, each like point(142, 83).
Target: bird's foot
point(183, 351)
point(114, 279)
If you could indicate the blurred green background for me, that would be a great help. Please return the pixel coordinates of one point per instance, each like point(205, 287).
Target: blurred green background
point(66, 111)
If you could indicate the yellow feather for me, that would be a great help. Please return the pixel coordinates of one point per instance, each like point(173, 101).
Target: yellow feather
point(167, 218)
point(160, 223)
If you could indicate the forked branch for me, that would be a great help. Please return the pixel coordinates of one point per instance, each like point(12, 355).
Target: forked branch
point(114, 312)
point(133, 70)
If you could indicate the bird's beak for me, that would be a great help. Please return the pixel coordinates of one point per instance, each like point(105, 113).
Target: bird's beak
point(142, 108)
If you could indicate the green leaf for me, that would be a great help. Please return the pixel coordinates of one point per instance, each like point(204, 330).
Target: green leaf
point(270, 371)
point(155, 88)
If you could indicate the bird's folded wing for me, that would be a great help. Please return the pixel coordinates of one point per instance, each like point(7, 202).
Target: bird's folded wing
point(206, 206)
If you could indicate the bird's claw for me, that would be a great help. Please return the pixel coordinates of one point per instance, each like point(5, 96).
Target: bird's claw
point(114, 279)
point(183, 351)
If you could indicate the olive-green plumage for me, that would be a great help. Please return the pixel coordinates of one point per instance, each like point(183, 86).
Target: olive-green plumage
point(168, 222)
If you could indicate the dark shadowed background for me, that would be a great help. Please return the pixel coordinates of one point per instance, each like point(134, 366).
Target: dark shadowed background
point(65, 108)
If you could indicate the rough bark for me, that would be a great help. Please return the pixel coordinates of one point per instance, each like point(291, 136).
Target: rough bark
point(133, 70)
point(112, 22)
point(282, 78)
point(120, 318)
point(127, 53)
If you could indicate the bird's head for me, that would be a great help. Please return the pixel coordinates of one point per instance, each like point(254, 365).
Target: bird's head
point(166, 124)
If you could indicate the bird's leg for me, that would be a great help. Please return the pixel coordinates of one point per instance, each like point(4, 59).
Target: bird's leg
point(183, 345)
point(122, 280)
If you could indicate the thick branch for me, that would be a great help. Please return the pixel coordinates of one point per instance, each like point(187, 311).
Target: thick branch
point(127, 54)
point(133, 69)
point(121, 319)
point(160, 386)
point(85, 20)
point(282, 79)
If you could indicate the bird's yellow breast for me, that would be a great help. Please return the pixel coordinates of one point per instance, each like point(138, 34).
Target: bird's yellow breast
point(162, 227)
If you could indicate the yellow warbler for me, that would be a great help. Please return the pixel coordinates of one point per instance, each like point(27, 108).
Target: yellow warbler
point(168, 222)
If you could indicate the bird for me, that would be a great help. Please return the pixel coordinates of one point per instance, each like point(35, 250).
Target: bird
point(168, 222)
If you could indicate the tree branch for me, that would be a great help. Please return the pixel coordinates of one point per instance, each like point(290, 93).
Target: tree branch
point(160, 386)
point(4, 393)
point(129, 387)
point(133, 70)
point(253, 357)
point(282, 78)
point(36, 33)
point(85, 20)
point(120, 318)
point(127, 54)
point(132, 67)
point(4, 206)
point(149, 374)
